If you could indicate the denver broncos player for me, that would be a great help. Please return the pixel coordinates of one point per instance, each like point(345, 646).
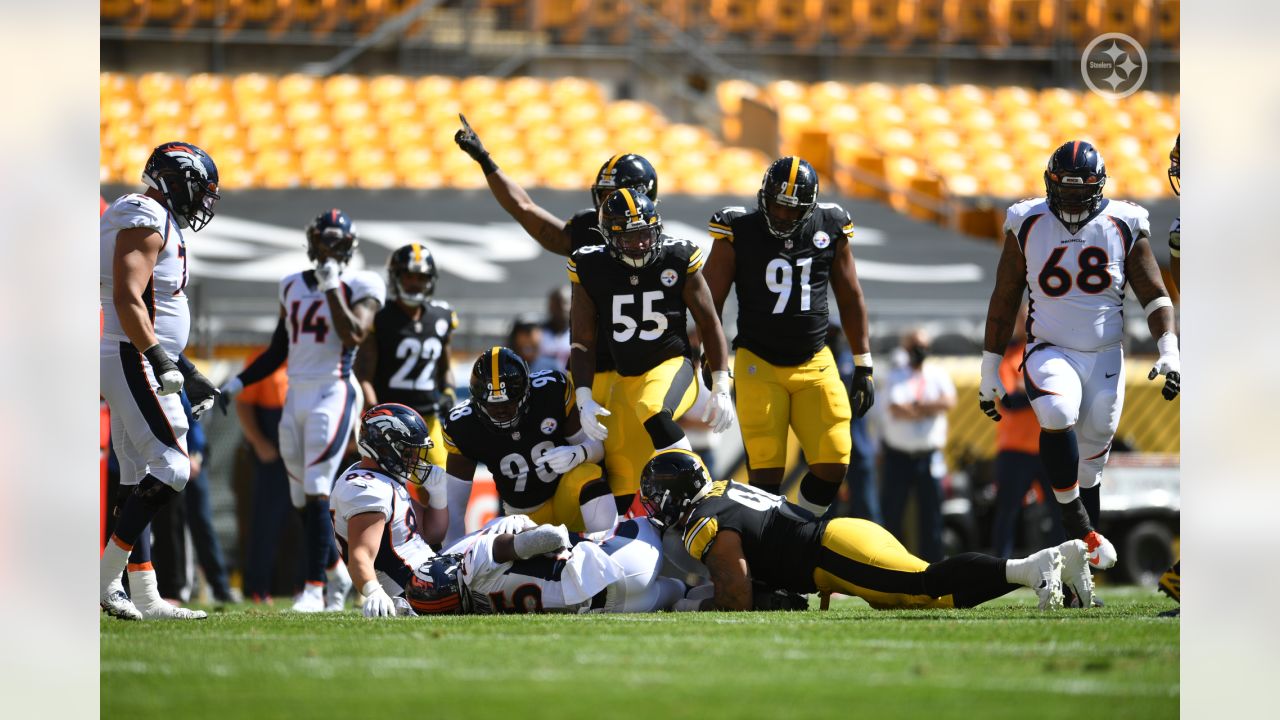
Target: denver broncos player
point(1175, 231)
point(642, 283)
point(1074, 252)
point(143, 257)
point(405, 358)
point(627, 447)
point(781, 258)
point(525, 428)
point(514, 565)
point(325, 313)
point(385, 537)
point(746, 535)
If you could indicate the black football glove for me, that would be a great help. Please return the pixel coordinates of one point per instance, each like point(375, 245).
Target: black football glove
point(200, 391)
point(471, 145)
point(862, 391)
point(770, 600)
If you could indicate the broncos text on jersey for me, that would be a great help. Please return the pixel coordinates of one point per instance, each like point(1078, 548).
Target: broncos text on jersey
point(781, 285)
point(408, 351)
point(1076, 281)
point(643, 309)
point(315, 352)
point(364, 490)
point(514, 455)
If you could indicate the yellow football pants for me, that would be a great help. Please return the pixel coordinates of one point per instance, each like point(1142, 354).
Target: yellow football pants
point(860, 558)
point(631, 400)
point(810, 398)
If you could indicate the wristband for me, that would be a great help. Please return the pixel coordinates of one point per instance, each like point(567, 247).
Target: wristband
point(159, 359)
point(487, 165)
point(583, 395)
point(1161, 302)
point(370, 588)
point(862, 360)
point(991, 361)
point(720, 382)
point(1167, 344)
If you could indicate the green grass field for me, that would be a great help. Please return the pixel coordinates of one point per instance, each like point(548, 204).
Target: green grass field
point(1004, 660)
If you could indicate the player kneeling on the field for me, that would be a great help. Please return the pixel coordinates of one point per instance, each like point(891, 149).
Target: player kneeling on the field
point(746, 535)
point(382, 531)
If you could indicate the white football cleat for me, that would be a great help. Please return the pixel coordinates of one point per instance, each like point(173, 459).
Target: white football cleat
point(162, 610)
point(335, 593)
point(1075, 570)
point(117, 604)
point(310, 600)
point(1048, 571)
point(1102, 554)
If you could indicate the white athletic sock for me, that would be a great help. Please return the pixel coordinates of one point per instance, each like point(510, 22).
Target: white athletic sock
point(681, 444)
point(142, 588)
point(340, 573)
point(114, 560)
point(600, 514)
point(1023, 571)
point(812, 507)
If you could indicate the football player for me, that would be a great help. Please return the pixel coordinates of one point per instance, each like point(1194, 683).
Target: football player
point(514, 565)
point(325, 314)
point(1175, 231)
point(641, 283)
point(781, 258)
point(744, 535)
point(384, 535)
point(627, 448)
point(1075, 251)
point(525, 428)
point(143, 261)
point(405, 358)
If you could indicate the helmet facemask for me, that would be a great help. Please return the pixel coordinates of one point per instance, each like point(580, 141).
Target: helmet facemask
point(413, 286)
point(330, 243)
point(398, 449)
point(1175, 167)
point(188, 180)
point(638, 247)
point(1073, 198)
point(503, 406)
point(783, 213)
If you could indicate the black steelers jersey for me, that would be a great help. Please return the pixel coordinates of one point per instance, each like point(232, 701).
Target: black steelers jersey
point(408, 352)
point(512, 454)
point(781, 541)
point(643, 309)
point(583, 232)
point(781, 285)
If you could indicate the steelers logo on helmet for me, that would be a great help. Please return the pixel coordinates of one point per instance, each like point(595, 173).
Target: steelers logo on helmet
point(624, 170)
point(1073, 183)
point(413, 274)
point(788, 195)
point(632, 229)
point(669, 277)
point(500, 387)
point(331, 235)
point(187, 178)
point(396, 438)
point(821, 240)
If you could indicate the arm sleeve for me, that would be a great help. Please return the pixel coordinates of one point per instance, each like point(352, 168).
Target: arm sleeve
point(270, 359)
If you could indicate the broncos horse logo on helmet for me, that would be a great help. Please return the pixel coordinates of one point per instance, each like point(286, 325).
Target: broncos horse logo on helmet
point(332, 235)
point(436, 587)
point(671, 483)
point(788, 195)
point(631, 226)
point(627, 170)
point(188, 179)
point(396, 438)
point(413, 274)
point(1073, 182)
point(500, 387)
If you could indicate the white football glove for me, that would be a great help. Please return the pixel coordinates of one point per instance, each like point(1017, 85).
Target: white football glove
point(1169, 364)
point(437, 486)
point(564, 458)
point(719, 412)
point(588, 410)
point(166, 372)
point(990, 386)
point(328, 275)
point(377, 603)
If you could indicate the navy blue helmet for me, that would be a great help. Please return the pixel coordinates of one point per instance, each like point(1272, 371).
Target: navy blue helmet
point(188, 179)
point(1074, 180)
point(331, 235)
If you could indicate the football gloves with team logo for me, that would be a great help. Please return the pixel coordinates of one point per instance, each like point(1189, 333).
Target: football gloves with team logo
point(1169, 365)
point(164, 369)
point(990, 386)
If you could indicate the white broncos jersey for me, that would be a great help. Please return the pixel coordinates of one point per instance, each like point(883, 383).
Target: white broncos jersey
point(1076, 280)
point(163, 295)
point(539, 584)
point(315, 352)
point(363, 490)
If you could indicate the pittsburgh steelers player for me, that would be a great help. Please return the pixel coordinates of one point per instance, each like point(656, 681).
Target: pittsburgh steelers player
point(781, 258)
point(627, 446)
point(405, 358)
point(525, 428)
point(643, 284)
point(746, 536)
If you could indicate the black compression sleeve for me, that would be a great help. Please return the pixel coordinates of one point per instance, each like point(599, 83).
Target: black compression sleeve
point(270, 359)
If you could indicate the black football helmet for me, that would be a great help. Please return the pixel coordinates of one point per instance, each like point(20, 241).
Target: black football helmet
point(436, 587)
point(412, 263)
point(1175, 165)
point(396, 438)
point(331, 235)
point(1074, 180)
point(500, 387)
point(670, 483)
point(788, 194)
point(187, 178)
point(625, 171)
point(631, 227)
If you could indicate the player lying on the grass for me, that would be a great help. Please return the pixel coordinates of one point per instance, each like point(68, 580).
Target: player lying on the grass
point(513, 565)
point(746, 535)
point(374, 518)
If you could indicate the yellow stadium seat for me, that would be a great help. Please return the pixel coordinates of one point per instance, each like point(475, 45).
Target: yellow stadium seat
point(964, 97)
point(163, 111)
point(963, 185)
point(479, 89)
point(785, 92)
point(362, 136)
point(931, 117)
point(340, 89)
point(1031, 22)
point(941, 141)
point(210, 112)
point(320, 17)
point(119, 9)
point(390, 88)
point(917, 97)
point(397, 111)
point(1009, 98)
point(1131, 17)
point(206, 86)
point(878, 19)
point(434, 88)
point(1081, 20)
point(305, 112)
point(261, 112)
point(796, 20)
point(253, 87)
point(351, 112)
point(839, 22)
point(1168, 22)
point(120, 111)
point(734, 16)
point(922, 21)
point(157, 86)
point(843, 117)
point(296, 87)
point(984, 22)
point(268, 138)
point(116, 85)
point(313, 135)
point(407, 133)
point(882, 118)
